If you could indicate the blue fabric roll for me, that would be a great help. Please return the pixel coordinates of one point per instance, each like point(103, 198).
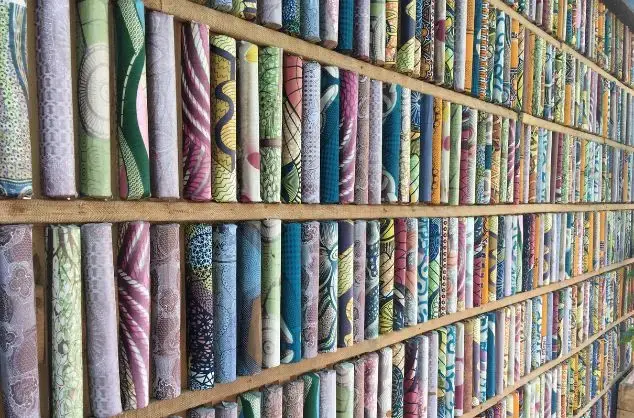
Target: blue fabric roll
point(491, 378)
point(309, 25)
point(224, 290)
point(249, 298)
point(222, 5)
point(291, 341)
point(477, 39)
point(427, 130)
point(346, 17)
point(423, 269)
point(291, 17)
point(391, 142)
point(329, 162)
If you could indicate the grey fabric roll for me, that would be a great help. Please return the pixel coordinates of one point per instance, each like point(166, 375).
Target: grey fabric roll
point(270, 13)
point(311, 130)
point(227, 410)
point(327, 393)
point(375, 161)
point(102, 351)
point(202, 412)
point(293, 399)
point(272, 401)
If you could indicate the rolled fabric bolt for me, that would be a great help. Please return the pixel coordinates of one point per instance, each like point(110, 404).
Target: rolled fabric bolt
point(398, 372)
point(309, 24)
point(328, 286)
point(327, 393)
point(54, 88)
point(249, 248)
point(405, 146)
point(372, 280)
point(422, 374)
point(363, 142)
point(411, 275)
point(427, 39)
point(202, 412)
point(440, 16)
point(348, 134)
point(405, 58)
point(293, 399)
point(436, 152)
point(198, 263)
point(195, 87)
point(310, 287)
point(359, 281)
point(391, 32)
point(423, 269)
point(64, 260)
point(455, 153)
point(329, 23)
point(291, 191)
point(312, 388)
point(311, 129)
point(270, 13)
point(384, 388)
point(271, 402)
point(101, 320)
point(245, 9)
point(418, 27)
point(222, 5)
point(291, 325)
point(345, 389)
point(249, 122)
point(165, 275)
point(386, 277)
point(427, 132)
point(345, 299)
point(400, 266)
point(227, 410)
point(390, 183)
point(133, 272)
point(223, 104)
point(411, 382)
point(330, 105)
point(361, 35)
point(460, 45)
point(468, 155)
point(375, 162)
point(415, 147)
point(345, 26)
point(432, 394)
point(359, 387)
point(435, 250)
point(162, 113)
point(371, 380)
point(377, 32)
point(271, 291)
point(250, 405)
point(291, 16)
point(445, 155)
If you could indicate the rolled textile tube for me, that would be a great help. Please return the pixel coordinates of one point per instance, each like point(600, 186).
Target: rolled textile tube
point(310, 287)
point(432, 394)
point(425, 154)
point(504, 150)
point(270, 88)
point(162, 113)
point(422, 373)
point(200, 339)
point(348, 134)
point(196, 112)
point(165, 274)
point(398, 373)
point(358, 286)
point(272, 398)
point(361, 30)
point(345, 300)
point(312, 388)
point(400, 266)
point(443, 292)
point(291, 16)
point(435, 250)
point(452, 265)
point(291, 189)
point(405, 146)
point(515, 74)
point(455, 153)
point(423, 270)
point(459, 369)
point(440, 17)
point(248, 151)
point(329, 23)
point(293, 399)
point(250, 405)
point(406, 37)
point(386, 276)
point(101, 320)
point(222, 5)
point(418, 35)
point(371, 330)
point(269, 13)
point(498, 58)
point(359, 387)
point(445, 156)
point(436, 151)
point(134, 163)
point(202, 412)
point(54, 88)
point(371, 376)
point(375, 161)
point(390, 184)
point(311, 130)
point(133, 281)
point(227, 410)
point(411, 275)
point(460, 44)
point(506, 63)
point(484, 52)
point(490, 33)
point(411, 388)
point(450, 42)
point(478, 17)
point(309, 20)
point(495, 159)
point(345, 26)
point(345, 389)
point(329, 153)
point(377, 32)
point(461, 263)
point(328, 286)
point(245, 9)
point(384, 388)
point(391, 32)
point(427, 39)
point(291, 349)
point(469, 44)
point(450, 371)
point(271, 292)
point(415, 147)
point(223, 105)
point(327, 393)
point(363, 142)
point(64, 262)
point(468, 156)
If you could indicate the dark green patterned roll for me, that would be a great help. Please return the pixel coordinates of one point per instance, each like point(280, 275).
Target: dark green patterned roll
point(311, 395)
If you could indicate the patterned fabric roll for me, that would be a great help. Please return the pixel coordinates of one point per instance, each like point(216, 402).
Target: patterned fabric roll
point(134, 164)
point(398, 373)
point(415, 146)
point(445, 153)
point(270, 82)
point(57, 150)
point(377, 32)
point(196, 112)
point(451, 278)
point(310, 142)
point(361, 35)
point(293, 399)
point(468, 156)
point(133, 272)
point(291, 191)
point(250, 405)
point(426, 38)
point(406, 36)
point(432, 394)
point(471, 45)
point(371, 373)
point(435, 249)
point(363, 142)
point(450, 42)
point(271, 402)
point(372, 280)
point(411, 273)
point(345, 389)
point(422, 373)
point(310, 287)
point(460, 44)
point(455, 153)
point(327, 393)
point(245, 9)
point(400, 266)
point(391, 32)
point(423, 269)
point(345, 26)
point(101, 320)
point(329, 23)
point(162, 116)
point(269, 13)
point(198, 263)
point(329, 135)
point(386, 276)
point(222, 5)
point(309, 20)
point(291, 350)
point(271, 291)
point(384, 388)
point(484, 150)
point(405, 151)
point(345, 279)
point(411, 381)
point(291, 16)
point(223, 122)
point(440, 9)
point(348, 135)
point(459, 369)
point(375, 163)
point(312, 388)
point(359, 271)
point(64, 260)
point(227, 410)
point(202, 412)
point(165, 274)
point(224, 261)
point(427, 124)
point(328, 286)
point(390, 184)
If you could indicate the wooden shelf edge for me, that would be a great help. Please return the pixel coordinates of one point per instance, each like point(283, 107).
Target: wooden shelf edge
point(602, 393)
point(41, 211)
point(191, 399)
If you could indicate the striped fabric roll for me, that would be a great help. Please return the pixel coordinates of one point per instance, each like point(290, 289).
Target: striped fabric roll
point(328, 275)
point(310, 287)
point(291, 188)
point(386, 276)
point(390, 183)
point(330, 105)
point(271, 291)
point(348, 134)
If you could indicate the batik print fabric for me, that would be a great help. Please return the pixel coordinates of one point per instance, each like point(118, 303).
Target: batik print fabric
point(245, 9)
point(311, 131)
point(250, 405)
point(423, 270)
point(271, 291)
point(406, 37)
point(361, 35)
point(329, 153)
point(293, 399)
point(290, 16)
point(291, 188)
point(411, 274)
point(435, 249)
point(198, 263)
point(405, 145)
point(386, 276)
point(328, 286)
point(165, 275)
point(415, 169)
point(348, 134)
point(310, 287)
point(101, 321)
point(270, 101)
point(291, 322)
point(329, 23)
point(391, 142)
point(362, 156)
point(64, 259)
point(134, 163)
point(133, 280)
point(400, 265)
point(411, 379)
point(372, 280)
point(370, 387)
point(223, 121)
point(375, 151)
point(271, 402)
point(227, 410)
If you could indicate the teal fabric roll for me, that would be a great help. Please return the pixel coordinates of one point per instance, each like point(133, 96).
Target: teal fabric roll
point(329, 161)
point(346, 25)
point(391, 142)
point(311, 395)
point(291, 332)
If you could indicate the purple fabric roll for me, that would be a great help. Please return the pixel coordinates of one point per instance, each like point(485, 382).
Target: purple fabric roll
point(359, 387)
point(165, 274)
point(363, 142)
point(101, 320)
point(358, 286)
point(227, 410)
point(371, 384)
point(375, 162)
point(133, 281)
point(162, 113)
point(361, 44)
point(18, 361)
point(293, 399)
point(272, 401)
point(310, 287)
point(348, 134)
point(327, 393)
point(311, 129)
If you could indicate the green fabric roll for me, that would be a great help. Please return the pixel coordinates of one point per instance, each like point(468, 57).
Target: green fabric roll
point(271, 291)
point(250, 405)
point(311, 395)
